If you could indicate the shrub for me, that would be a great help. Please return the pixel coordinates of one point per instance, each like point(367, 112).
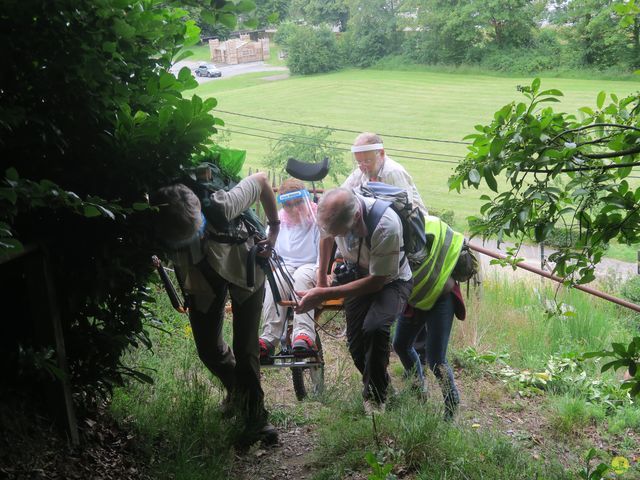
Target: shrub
point(447, 216)
point(91, 112)
point(312, 50)
point(631, 289)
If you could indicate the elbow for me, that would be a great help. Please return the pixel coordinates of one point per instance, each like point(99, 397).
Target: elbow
point(262, 179)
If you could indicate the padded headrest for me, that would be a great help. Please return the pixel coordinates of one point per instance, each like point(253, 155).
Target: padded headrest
point(310, 172)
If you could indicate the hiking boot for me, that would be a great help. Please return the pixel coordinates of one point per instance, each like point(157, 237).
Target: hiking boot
point(266, 352)
point(268, 435)
point(303, 346)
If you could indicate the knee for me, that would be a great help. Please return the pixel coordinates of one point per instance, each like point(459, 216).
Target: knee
point(212, 356)
point(378, 328)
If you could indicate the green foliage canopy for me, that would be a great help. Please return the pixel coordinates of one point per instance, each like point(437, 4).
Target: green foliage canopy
point(91, 120)
point(561, 170)
point(311, 50)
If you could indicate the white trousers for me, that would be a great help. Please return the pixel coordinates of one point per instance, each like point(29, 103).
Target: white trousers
point(304, 278)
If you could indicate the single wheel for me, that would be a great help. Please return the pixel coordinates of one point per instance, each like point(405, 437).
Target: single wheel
point(309, 380)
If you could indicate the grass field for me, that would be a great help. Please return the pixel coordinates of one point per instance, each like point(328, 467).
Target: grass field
point(442, 106)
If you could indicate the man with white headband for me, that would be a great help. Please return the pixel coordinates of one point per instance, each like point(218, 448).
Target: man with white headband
point(375, 166)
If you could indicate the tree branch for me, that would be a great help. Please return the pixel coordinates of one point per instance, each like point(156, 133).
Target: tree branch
point(584, 169)
point(586, 127)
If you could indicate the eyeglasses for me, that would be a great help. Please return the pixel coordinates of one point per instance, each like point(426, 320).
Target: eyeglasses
point(365, 158)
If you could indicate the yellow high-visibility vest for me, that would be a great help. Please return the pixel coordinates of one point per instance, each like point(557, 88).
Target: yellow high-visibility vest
point(429, 279)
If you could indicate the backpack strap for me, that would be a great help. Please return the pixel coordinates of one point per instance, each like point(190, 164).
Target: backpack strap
point(372, 218)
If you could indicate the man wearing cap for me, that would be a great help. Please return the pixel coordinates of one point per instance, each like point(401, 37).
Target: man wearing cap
point(377, 291)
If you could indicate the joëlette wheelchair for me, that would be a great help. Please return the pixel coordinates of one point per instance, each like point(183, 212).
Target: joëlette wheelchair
point(307, 370)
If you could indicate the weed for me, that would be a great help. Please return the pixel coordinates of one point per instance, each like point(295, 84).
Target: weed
point(381, 471)
point(570, 414)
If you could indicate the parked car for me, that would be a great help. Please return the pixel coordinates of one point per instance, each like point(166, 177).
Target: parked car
point(207, 70)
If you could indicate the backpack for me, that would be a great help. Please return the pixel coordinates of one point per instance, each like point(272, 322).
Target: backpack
point(206, 179)
point(413, 231)
point(416, 243)
point(467, 265)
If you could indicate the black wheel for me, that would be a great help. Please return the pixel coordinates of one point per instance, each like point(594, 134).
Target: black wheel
point(309, 380)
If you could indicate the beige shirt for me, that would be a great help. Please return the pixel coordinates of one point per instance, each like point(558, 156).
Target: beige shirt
point(391, 173)
point(385, 257)
point(228, 260)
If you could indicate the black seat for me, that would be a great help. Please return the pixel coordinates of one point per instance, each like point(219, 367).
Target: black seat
point(310, 172)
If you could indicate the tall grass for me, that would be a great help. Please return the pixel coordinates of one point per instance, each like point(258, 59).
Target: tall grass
point(510, 317)
point(413, 438)
point(178, 417)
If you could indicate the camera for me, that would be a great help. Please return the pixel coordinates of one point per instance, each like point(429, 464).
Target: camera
point(344, 273)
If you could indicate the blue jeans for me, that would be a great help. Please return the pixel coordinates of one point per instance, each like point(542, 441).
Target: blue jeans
point(438, 322)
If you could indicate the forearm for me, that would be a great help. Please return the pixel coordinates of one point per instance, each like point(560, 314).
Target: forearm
point(362, 286)
point(267, 198)
point(324, 255)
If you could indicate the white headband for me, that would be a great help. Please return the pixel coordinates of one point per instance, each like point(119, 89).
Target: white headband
point(367, 147)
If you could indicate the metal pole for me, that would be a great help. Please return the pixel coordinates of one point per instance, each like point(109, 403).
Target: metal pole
point(530, 268)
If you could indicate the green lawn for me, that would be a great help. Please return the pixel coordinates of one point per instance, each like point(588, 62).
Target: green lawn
point(418, 104)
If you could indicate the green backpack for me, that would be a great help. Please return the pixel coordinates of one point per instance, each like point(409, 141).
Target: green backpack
point(206, 179)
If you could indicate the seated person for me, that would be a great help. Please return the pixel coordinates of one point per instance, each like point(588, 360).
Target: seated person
point(297, 244)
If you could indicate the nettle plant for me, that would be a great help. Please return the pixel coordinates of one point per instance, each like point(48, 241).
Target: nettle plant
point(553, 170)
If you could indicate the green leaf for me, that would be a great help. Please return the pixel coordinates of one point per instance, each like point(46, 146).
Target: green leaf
point(91, 211)
point(184, 54)
point(552, 91)
point(9, 194)
point(140, 206)
point(228, 19)
point(600, 100)
point(245, 6)
point(12, 174)
point(490, 179)
point(535, 85)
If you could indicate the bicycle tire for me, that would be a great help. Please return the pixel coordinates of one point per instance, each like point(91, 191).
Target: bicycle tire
point(309, 379)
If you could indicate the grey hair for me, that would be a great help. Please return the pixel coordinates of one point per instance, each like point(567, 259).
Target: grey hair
point(337, 207)
point(367, 138)
point(179, 216)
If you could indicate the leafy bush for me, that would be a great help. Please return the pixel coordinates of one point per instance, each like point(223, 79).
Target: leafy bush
point(371, 34)
point(308, 146)
point(312, 50)
point(91, 112)
point(447, 216)
point(631, 289)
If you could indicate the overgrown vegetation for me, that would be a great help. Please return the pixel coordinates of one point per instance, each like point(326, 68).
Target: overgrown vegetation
point(410, 438)
point(91, 120)
point(518, 36)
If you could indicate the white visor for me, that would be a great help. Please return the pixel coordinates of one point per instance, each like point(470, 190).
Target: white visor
point(367, 147)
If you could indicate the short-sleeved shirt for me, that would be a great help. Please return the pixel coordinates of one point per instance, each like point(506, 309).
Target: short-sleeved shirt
point(391, 173)
point(228, 260)
point(385, 257)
